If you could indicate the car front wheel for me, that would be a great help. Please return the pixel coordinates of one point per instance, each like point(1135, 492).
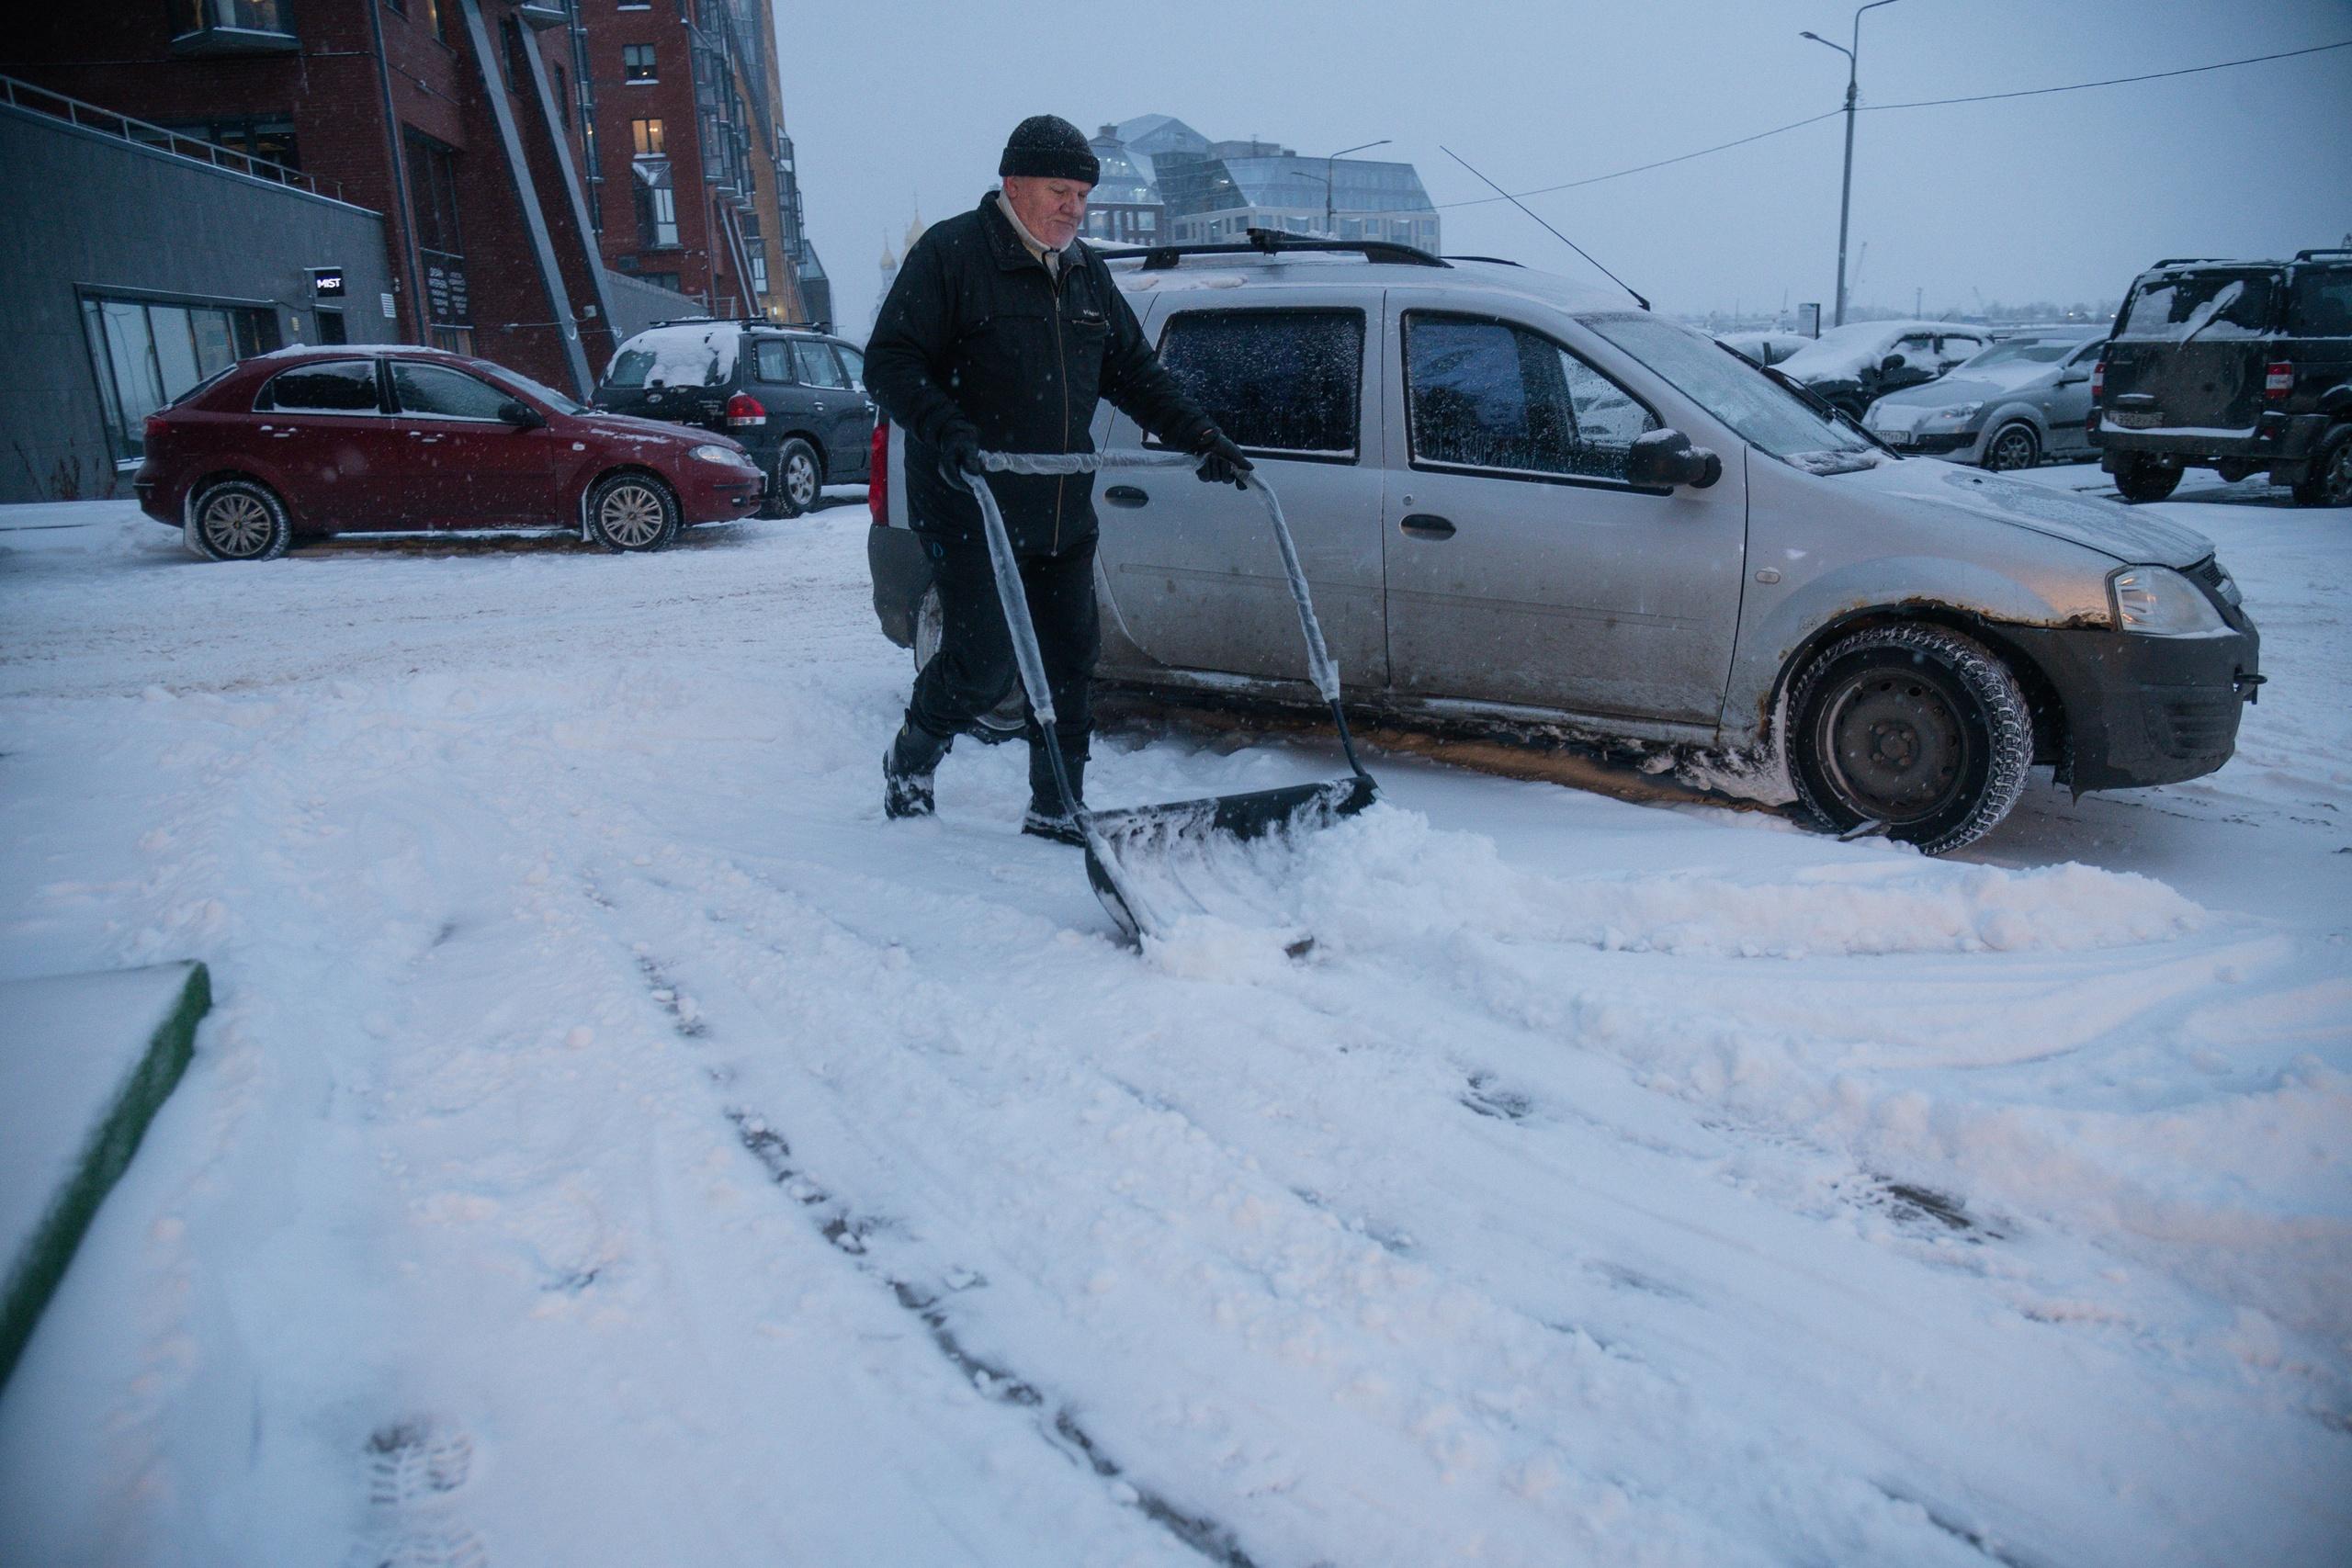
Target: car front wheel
point(2013, 445)
point(2329, 481)
point(632, 512)
point(238, 520)
point(1914, 726)
point(2144, 479)
point(794, 483)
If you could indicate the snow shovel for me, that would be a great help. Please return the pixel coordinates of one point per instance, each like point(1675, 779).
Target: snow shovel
point(1118, 842)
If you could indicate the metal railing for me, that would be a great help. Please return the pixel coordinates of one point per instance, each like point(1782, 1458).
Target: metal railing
point(25, 96)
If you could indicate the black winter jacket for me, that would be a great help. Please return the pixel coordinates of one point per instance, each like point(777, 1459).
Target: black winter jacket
point(975, 332)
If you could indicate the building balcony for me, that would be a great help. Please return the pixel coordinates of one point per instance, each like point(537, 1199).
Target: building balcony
point(203, 27)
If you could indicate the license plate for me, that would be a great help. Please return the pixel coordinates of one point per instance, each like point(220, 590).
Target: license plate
point(2136, 419)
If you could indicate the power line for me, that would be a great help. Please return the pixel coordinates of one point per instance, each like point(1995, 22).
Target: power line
point(1662, 163)
point(2110, 82)
point(1920, 104)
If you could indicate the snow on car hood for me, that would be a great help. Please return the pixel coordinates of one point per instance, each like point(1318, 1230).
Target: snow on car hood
point(630, 424)
point(2132, 535)
point(1982, 386)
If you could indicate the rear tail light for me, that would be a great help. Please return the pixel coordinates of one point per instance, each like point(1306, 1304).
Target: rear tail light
point(877, 475)
point(743, 408)
point(2099, 380)
point(152, 426)
point(2278, 381)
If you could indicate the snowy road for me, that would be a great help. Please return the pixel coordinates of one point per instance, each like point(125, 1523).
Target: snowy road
point(614, 1143)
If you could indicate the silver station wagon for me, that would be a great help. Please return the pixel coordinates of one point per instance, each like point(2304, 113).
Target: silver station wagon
point(1528, 507)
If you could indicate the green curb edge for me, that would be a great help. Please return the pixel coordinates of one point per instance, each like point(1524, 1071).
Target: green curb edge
point(41, 1267)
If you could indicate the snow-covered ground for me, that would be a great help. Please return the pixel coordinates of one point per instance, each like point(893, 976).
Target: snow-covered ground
point(614, 1143)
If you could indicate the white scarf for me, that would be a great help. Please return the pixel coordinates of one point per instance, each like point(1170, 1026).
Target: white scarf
point(1036, 247)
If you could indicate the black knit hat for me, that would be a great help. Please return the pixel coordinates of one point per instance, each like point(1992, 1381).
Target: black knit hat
point(1049, 147)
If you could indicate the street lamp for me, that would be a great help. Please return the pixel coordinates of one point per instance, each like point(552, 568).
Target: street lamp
point(1846, 194)
point(1331, 229)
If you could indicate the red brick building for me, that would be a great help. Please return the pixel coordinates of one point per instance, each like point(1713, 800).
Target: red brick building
point(473, 128)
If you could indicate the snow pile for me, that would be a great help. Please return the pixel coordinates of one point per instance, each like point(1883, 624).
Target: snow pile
point(1841, 352)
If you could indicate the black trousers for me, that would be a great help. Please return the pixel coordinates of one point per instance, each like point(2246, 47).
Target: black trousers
point(974, 668)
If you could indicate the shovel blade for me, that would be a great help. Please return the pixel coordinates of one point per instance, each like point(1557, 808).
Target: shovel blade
point(1118, 842)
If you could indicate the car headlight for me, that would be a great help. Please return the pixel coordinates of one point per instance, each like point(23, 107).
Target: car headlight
point(2156, 600)
point(726, 454)
point(1958, 413)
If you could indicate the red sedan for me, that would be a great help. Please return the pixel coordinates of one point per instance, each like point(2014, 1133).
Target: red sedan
point(368, 438)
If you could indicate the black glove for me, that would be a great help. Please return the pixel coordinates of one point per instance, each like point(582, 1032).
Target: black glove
point(1221, 461)
point(959, 453)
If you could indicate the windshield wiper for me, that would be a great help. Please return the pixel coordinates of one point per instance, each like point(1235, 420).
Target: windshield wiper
point(1820, 404)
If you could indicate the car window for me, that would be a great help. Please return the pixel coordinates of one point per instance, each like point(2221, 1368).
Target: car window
point(1951, 348)
point(2087, 352)
point(1488, 394)
point(330, 386)
point(1914, 350)
point(2320, 303)
point(2199, 304)
point(854, 363)
point(817, 365)
point(1764, 412)
point(773, 362)
point(435, 391)
point(496, 374)
point(1273, 381)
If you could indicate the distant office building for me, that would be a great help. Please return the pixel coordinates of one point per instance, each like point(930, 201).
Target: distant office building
point(1125, 206)
point(1210, 191)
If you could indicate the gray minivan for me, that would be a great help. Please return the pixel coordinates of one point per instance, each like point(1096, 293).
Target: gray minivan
point(795, 399)
point(1526, 506)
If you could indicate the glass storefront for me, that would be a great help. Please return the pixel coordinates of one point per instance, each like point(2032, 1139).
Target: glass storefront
point(148, 352)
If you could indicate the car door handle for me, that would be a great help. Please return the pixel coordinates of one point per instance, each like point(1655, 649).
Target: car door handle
point(281, 431)
point(421, 435)
point(1422, 525)
point(1124, 495)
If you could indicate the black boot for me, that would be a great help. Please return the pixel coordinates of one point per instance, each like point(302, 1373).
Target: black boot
point(1047, 817)
point(906, 771)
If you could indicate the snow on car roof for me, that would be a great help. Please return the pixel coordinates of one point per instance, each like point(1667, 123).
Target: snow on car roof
point(1843, 351)
point(1236, 270)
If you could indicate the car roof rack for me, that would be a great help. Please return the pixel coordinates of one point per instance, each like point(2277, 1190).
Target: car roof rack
point(2323, 250)
point(1269, 242)
point(2184, 261)
point(1498, 261)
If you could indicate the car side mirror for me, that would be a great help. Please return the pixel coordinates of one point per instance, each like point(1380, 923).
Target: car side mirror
point(2073, 377)
point(1661, 459)
point(520, 414)
point(1893, 362)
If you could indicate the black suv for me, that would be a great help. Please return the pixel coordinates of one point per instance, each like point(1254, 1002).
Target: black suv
point(2232, 366)
point(796, 399)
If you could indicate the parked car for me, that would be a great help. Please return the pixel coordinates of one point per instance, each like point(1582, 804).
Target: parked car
point(1854, 365)
point(2022, 399)
point(1523, 504)
point(2234, 365)
point(795, 398)
point(370, 438)
point(1765, 348)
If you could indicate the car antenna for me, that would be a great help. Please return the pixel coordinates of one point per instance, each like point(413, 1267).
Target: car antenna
point(1555, 233)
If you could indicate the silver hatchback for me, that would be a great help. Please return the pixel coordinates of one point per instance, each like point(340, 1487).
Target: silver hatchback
point(2022, 399)
point(1526, 507)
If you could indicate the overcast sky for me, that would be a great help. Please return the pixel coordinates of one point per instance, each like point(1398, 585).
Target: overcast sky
point(900, 104)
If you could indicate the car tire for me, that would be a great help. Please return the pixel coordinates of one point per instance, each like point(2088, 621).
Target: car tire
point(793, 481)
point(2013, 445)
point(2328, 480)
point(1009, 719)
point(632, 512)
point(1915, 726)
point(2144, 479)
point(238, 520)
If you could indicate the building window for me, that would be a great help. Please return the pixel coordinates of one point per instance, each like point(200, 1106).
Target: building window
point(647, 136)
point(433, 193)
point(562, 103)
point(668, 280)
point(269, 138)
point(657, 217)
point(434, 20)
point(516, 62)
point(637, 62)
point(147, 353)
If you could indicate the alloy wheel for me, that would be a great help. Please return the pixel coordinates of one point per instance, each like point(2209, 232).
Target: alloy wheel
point(2012, 449)
point(237, 524)
point(633, 516)
point(800, 480)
